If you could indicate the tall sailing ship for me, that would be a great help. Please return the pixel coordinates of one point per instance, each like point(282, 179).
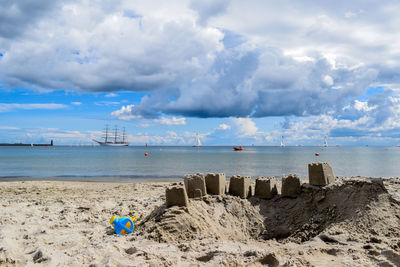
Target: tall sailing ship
point(113, 139)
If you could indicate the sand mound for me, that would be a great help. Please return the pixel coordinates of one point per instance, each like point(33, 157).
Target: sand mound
point(355, 206)
point(216, 217)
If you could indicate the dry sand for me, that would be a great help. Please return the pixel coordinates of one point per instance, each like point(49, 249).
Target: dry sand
point(353, 222)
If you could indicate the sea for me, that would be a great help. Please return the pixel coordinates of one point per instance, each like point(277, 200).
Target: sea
point(116, 163)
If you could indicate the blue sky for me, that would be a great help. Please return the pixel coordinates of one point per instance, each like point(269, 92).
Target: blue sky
point(236, 74)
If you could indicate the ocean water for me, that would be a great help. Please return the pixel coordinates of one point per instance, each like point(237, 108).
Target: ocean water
point(63, 162)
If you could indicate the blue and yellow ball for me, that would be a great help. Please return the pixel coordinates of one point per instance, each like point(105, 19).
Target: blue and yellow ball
point(123, 225)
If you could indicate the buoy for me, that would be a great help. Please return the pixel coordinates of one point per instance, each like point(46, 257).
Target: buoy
point(146, 154)
point(317, 154)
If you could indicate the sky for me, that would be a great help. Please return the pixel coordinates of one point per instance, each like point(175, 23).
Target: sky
point(235, 72)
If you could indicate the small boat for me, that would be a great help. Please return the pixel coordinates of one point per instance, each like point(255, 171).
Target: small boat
point(325, 142)
point(282, 142)
point(197, 142)
point(237, 148)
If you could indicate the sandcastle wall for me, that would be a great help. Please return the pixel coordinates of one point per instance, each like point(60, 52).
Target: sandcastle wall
point(197, 186)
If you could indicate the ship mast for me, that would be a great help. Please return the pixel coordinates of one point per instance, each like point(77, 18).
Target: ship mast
point(106, 138)
point(116, 133)
point(123, 135)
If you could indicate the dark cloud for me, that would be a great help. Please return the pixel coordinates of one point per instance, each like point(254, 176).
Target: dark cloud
point(209, 8)
point(19, 16)
point(246, 82)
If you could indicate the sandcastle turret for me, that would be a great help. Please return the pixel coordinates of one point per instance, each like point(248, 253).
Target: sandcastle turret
point(266, 187)
point(240, 186)
point(216, 183)
point(320, 173)
point(290, 185)
point(195, 185)
point(176, 196)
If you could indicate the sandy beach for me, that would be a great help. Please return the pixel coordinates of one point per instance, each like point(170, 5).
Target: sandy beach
point(352, 222)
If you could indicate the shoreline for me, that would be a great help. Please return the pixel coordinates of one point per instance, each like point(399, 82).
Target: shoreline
point(139, 179)
point(95, 179)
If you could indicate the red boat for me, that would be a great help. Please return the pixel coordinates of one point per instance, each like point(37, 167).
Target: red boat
point(236, 148)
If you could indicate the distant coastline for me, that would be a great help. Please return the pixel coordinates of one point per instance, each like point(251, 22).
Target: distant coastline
point(24, 144)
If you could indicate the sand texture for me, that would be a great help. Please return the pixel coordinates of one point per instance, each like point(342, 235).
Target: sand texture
point(352, 222)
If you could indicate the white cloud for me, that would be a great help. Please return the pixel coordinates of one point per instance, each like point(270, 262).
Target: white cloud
point(111, 95)
point(170, 121)
point(328, 80)
point(126, 113)
point(362, 106)
point(76, 103)
point(223, 127)
point(9, 128)
point(6, 107)
point(170, 138)
point(245, 127)
point(107, 103)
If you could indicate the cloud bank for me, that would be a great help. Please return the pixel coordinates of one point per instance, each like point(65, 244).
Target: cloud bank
point(213, 58)
point(6, 107)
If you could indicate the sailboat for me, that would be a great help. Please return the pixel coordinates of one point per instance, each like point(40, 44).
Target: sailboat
point(325, 142)
point(197, 142)
point(282, 142)
point(113, 140)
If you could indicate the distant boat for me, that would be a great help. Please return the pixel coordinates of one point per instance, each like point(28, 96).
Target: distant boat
point(197, 142)
point(237, 148)
point(282, 142)
point(114, 140)
point(325, 142)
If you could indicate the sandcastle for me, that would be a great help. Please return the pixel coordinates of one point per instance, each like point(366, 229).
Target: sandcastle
point(197, 186)
point(320, 173)
point(265, 187)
